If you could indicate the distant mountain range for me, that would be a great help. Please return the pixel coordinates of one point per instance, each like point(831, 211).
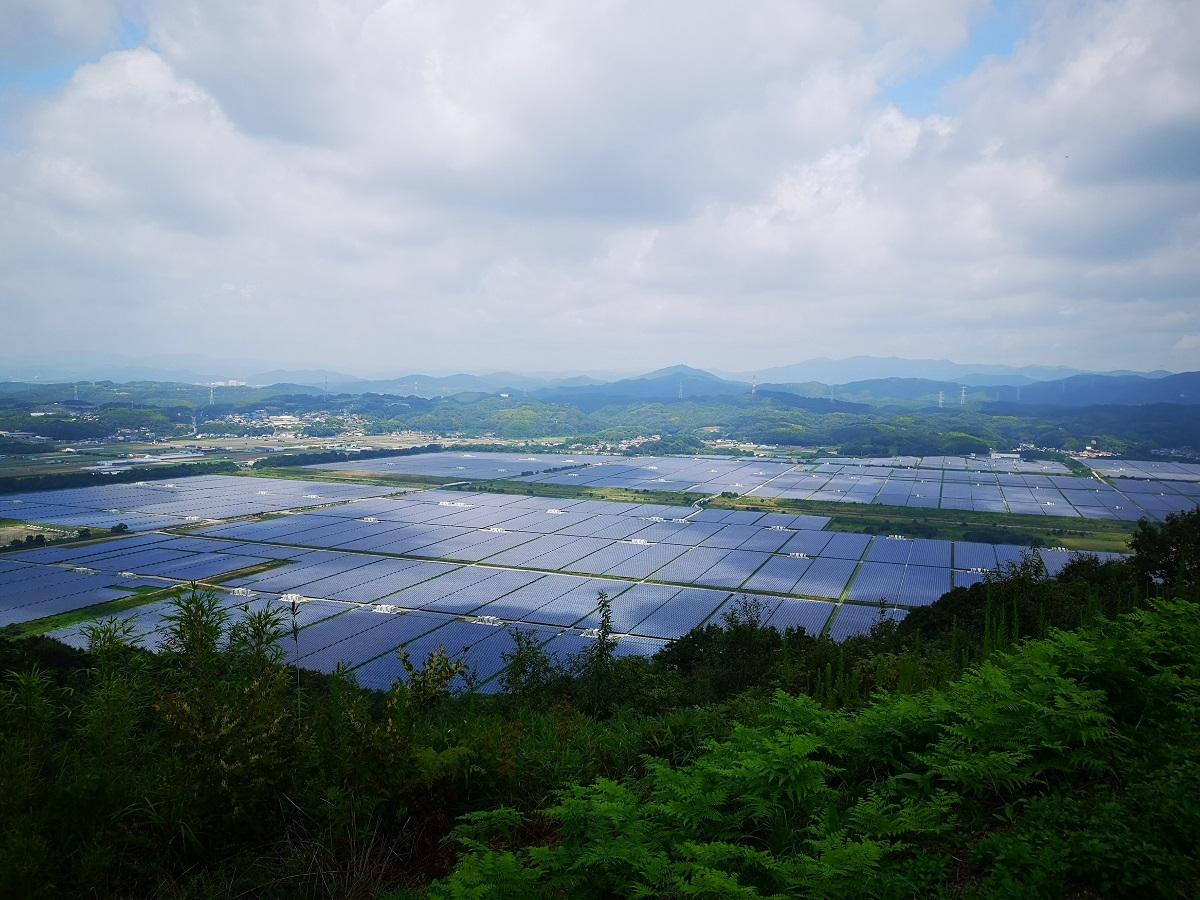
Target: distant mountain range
point(672, 383)
point(1101, 390)
point(686, 383)
point(813, 384)
point(863, 368)
point(417, 385)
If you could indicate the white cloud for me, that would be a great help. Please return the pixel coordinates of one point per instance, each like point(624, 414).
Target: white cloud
point(401, 185)
point(41, 33)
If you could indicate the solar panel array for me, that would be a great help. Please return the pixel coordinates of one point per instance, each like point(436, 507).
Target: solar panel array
point(962, 463)
point(29, 592)
point(1000, 485)
point(709, 474)
point(370, 574)
point(1161, 470)
point(1062, 496)
point(143, 506)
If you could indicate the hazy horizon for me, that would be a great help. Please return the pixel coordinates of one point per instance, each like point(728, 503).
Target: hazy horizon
point(385, 188)
point(204, 370)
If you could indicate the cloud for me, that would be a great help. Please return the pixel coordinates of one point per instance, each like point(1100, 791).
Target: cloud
point(42, 33)
point(386, 186)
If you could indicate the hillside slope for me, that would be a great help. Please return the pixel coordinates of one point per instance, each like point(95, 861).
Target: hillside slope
point(1067, 768)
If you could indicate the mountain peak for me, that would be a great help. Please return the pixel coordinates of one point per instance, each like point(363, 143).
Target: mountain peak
point(680, 371)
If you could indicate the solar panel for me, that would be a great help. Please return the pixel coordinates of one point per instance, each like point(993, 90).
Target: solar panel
point(845, 545)
point(679, 615)
point(825, 578)
point(811, 615)
point(923, 585)
point(889, 550)
point(778, 575)
point(857, 620)
point(925, 552)
point(968, 555)
point(877, 581)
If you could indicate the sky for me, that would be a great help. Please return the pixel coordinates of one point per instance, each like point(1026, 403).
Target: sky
point(432, 185)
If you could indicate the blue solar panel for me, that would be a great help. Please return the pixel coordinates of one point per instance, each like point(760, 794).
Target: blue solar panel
point(473, 596)
point(50, 606)
point(604, 559)
point(520, 603)
point(691, 565)
point(637, 603)
point(330, 630)
point(877, 581)
point(825, 578)
point(679, 615)
point(454, 636)
point(577, 605)
point(969, 555)
point(846, 545)
point(632, 645)
point(380, 633)
point(811, 615)
point(923, 585)
point(733, 569)
point(856, 620)
point(648, 562)
point(889, 551)
point(730, 537)
point(967, 579)
point(778, 575)
point(1008, 554)
point(766, 540)
point(927, 552)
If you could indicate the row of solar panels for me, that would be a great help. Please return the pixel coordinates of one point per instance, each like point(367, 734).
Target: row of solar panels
point(1090, 503)
point(711, 548)
point(711, 473)
point(684, 474)
point(1006, 464)
point(29, 592)
point(366, 640)
point(168, 504)
point(1026, 494)
point(825, 570)
point(537, 597)
point(1137, 468)
point(694, 552)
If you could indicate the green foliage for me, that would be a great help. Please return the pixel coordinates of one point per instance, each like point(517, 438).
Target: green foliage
point(1169, 554)
point(1030, 736)
point(997, 766)
point(530, 672)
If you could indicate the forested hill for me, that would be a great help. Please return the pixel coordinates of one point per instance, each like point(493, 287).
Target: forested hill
point(768, 416)
point(1028, 736)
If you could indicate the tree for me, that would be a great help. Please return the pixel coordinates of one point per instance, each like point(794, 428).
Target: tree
point(595, 666)
point(1168, 555)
